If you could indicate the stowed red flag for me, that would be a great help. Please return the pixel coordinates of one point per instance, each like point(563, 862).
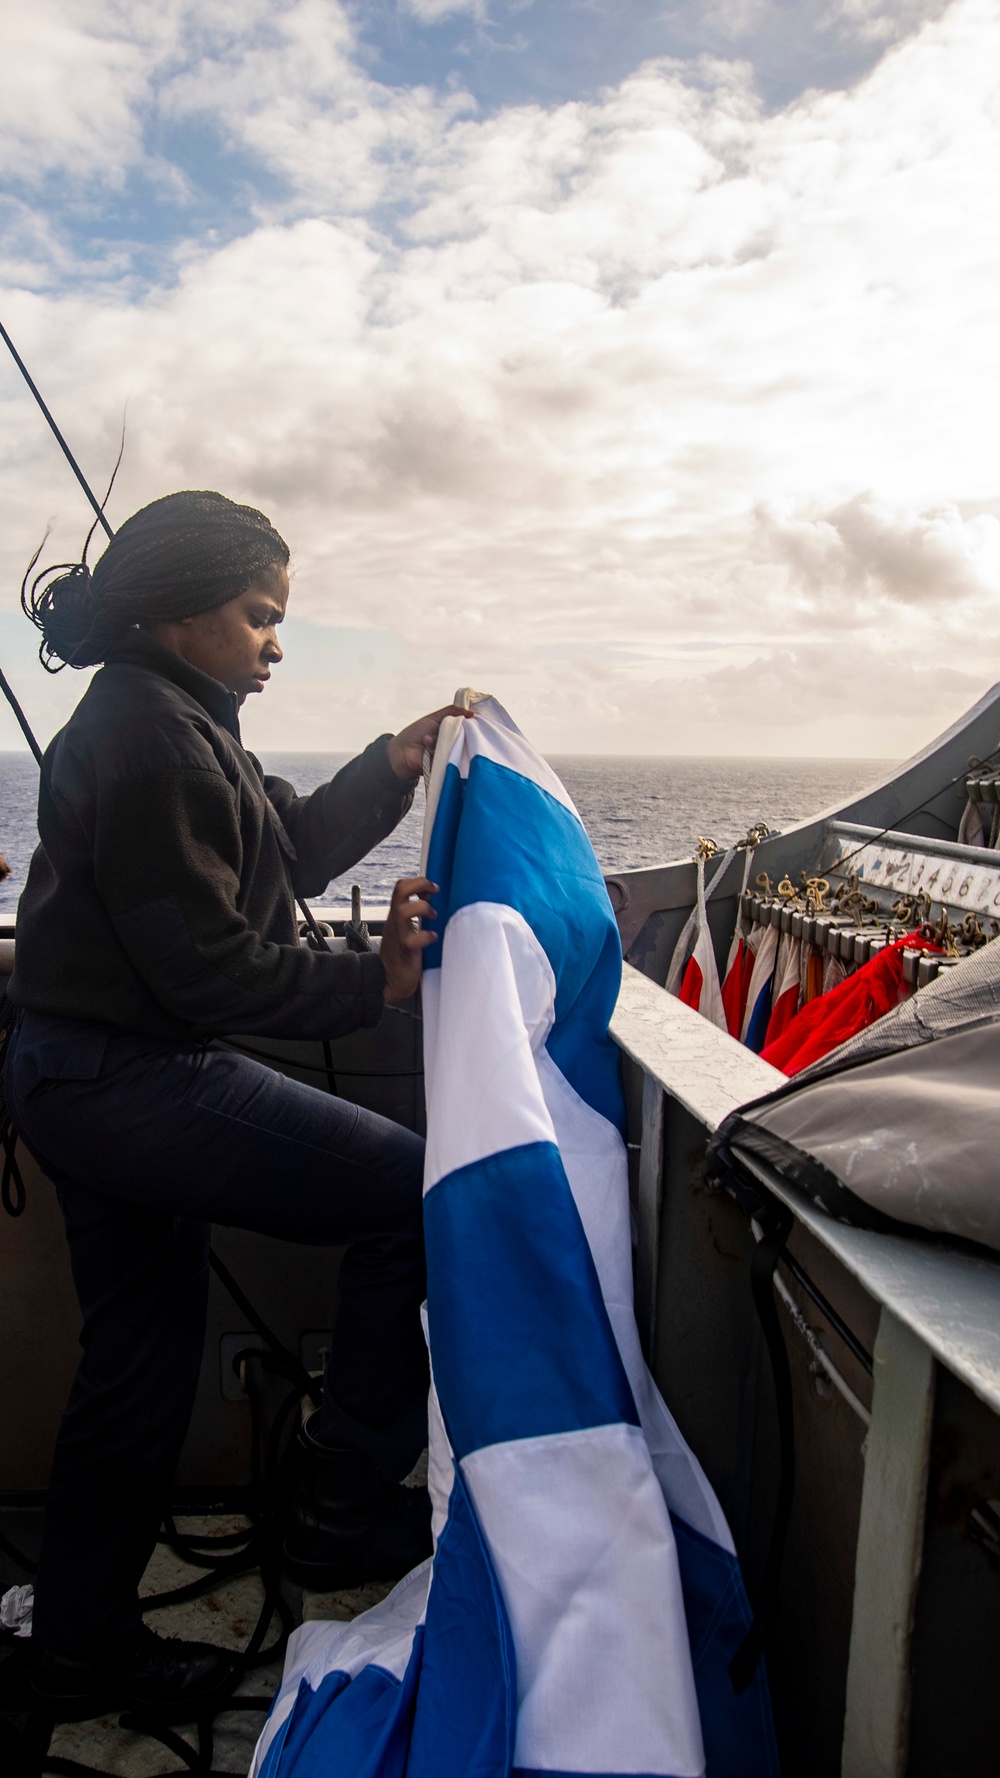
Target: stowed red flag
point(694, 973)
point(739, 964)
point(763, 944)
point(824, 1024)
point(786, 989)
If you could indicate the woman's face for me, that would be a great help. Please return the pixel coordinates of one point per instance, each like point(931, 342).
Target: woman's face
point(236, 643)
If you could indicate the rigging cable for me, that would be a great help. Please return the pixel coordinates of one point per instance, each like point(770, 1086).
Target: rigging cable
point(920, 809)
point(63, 446)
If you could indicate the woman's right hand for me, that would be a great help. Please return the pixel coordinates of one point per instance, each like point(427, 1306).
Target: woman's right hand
point(403, 943)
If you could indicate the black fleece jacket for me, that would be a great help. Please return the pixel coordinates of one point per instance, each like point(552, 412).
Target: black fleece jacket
point(161, 896)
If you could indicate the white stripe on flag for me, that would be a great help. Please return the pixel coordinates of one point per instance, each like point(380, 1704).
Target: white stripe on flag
point(602, 1566)
point(492, 1000)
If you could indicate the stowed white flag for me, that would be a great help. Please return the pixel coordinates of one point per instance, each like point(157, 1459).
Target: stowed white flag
point(584, 1601)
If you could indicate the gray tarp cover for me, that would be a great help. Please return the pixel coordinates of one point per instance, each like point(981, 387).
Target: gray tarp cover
point(907, 1114)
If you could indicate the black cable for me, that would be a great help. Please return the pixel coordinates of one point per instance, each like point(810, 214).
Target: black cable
point(135, 1723)
point(63, 446)
point(827, 1309)
point(206, 1740)
point(199, 1760)
point(307, 1384)
point(22, 720)
point(991, 759)
point(243, 1563)
point(218, 1540)
point(320, 943)
point(319, 938)
point(187, 1548)
point(272, 1453)
point(776, 1221)
point(12, 1193)
point(264, 1509)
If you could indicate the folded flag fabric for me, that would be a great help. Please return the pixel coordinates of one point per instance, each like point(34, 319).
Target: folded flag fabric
point(739, 963)
point(700, 987)
point(584, 1600)
point(763, 942)
point(848, 1007)
point(786, 989)
point(693, 974)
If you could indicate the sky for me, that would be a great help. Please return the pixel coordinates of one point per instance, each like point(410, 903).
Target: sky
point(635, 362)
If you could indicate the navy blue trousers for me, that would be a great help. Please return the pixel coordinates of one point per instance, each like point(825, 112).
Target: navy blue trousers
point(148, 1144)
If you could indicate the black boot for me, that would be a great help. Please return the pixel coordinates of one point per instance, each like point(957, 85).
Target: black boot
point(348, 1524)
point(159, 1675)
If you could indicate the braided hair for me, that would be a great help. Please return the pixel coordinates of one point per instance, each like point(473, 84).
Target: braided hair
point(186, 553)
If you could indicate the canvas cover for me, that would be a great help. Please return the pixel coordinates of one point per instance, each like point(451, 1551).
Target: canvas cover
point(584, 1601)
point(899, 1126)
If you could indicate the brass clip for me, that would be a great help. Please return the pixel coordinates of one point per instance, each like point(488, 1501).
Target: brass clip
point(816, 890)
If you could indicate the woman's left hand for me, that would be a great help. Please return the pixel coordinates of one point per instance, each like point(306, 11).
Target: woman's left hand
point(406, 750)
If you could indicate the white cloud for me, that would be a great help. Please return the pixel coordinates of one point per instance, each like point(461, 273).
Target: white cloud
point(290, 94)
point(659, 368)
point(867, 549)
point(70, 85)
point(881, 21)
point(429, 12)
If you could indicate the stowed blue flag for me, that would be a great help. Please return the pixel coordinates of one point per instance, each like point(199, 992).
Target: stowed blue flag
point(584, 1599)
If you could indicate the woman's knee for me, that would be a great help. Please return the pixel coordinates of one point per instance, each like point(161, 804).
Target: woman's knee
point(392, 1156)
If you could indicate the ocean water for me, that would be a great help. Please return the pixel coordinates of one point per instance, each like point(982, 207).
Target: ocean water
point(637, 811)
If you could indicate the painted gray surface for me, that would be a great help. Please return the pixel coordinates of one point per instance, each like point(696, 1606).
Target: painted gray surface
point(912, 1135)
point(948, 1298)
point(700, 1067)
point(890, 1547)
point(843, 1654)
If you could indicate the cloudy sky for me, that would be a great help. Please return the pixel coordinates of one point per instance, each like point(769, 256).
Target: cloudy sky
point(635, 361)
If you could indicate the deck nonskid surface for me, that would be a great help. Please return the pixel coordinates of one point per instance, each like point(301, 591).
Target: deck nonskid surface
point(225, 1616)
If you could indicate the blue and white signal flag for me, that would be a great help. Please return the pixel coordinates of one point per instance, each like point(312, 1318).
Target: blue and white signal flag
point(584, 1599)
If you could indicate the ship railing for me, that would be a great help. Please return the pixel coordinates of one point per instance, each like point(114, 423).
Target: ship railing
point(936, 1307)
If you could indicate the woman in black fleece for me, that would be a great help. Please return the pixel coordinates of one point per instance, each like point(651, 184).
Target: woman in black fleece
point(158, 915)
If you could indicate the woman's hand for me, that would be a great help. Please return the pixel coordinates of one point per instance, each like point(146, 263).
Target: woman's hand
point(402, 942)
point(406, 750)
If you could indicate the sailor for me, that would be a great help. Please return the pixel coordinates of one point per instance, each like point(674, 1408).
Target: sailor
point(159, 914)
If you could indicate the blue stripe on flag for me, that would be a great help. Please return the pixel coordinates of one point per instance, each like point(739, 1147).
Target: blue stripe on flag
point(349, 1728)
point(499, 837)
point(759, 1019)
point(736, 1727)
point(467, 1702)
point(521, 1339)
point(538, 1772)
